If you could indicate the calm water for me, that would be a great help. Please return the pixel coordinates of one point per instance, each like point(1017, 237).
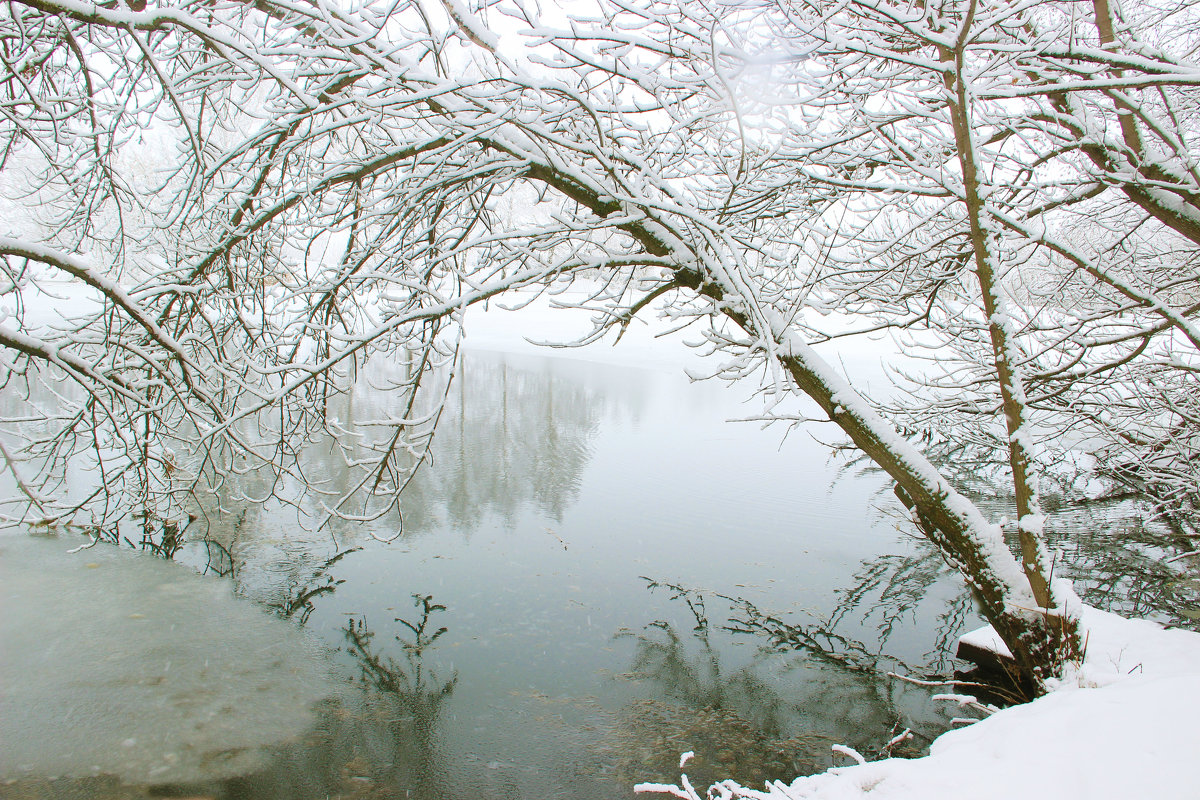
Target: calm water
point(561, 493)
point(598, 573)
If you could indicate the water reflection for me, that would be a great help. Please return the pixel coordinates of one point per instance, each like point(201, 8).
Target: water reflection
point(554, 486)
point(419, 688)
point(381, 742)
point(740, 721)
point(513, 436)
point(1120, 558)
point(1128, 564)
point(541, 567)
point(516, 435)
point(734, 723)
point(298, 596)
point(883, 596)
point(407, 700)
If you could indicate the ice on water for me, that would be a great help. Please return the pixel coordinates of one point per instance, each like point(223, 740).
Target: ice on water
point(114, 662)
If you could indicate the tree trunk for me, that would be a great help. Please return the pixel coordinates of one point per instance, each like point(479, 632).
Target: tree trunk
point(1005, 353)
point(1040, 639)
point(1034, 632)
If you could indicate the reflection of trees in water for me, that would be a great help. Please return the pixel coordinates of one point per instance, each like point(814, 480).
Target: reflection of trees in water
point(378, 744)
point(734, 724)
point(407, 699)
point(738, 723)
point(283, 567)
point(420, 688)
point(1119, 559)
point(298, 595)
point(510, 436)
point(1126, 552)
point(697, 681)
point(398, 745)
point(1122, 562)
point(883, 595)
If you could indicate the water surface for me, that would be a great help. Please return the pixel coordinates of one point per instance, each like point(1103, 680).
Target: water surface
point(595, 538)
point(597, 573)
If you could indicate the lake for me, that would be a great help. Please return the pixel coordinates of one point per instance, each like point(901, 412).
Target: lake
point(598, 573)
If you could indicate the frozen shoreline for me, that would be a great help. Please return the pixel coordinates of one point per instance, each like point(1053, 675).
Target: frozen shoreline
point(1119, 726)
point(124, 664)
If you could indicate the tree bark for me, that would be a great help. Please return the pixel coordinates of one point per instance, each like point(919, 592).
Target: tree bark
point(1039, 639)
point(1005, 353)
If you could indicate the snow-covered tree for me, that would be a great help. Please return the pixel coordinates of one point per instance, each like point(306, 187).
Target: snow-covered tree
point(260, 197)
point(1066, 167)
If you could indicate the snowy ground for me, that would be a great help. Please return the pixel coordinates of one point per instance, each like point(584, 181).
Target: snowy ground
point(1120, 727)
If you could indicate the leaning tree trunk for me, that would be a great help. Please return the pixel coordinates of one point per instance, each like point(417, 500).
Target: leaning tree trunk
point(1040, 637)
point(1033, 632)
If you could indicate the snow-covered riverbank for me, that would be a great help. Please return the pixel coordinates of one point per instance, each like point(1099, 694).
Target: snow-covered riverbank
point(1121, 726)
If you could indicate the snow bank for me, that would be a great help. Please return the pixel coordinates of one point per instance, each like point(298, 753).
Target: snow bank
point(1120, 726)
